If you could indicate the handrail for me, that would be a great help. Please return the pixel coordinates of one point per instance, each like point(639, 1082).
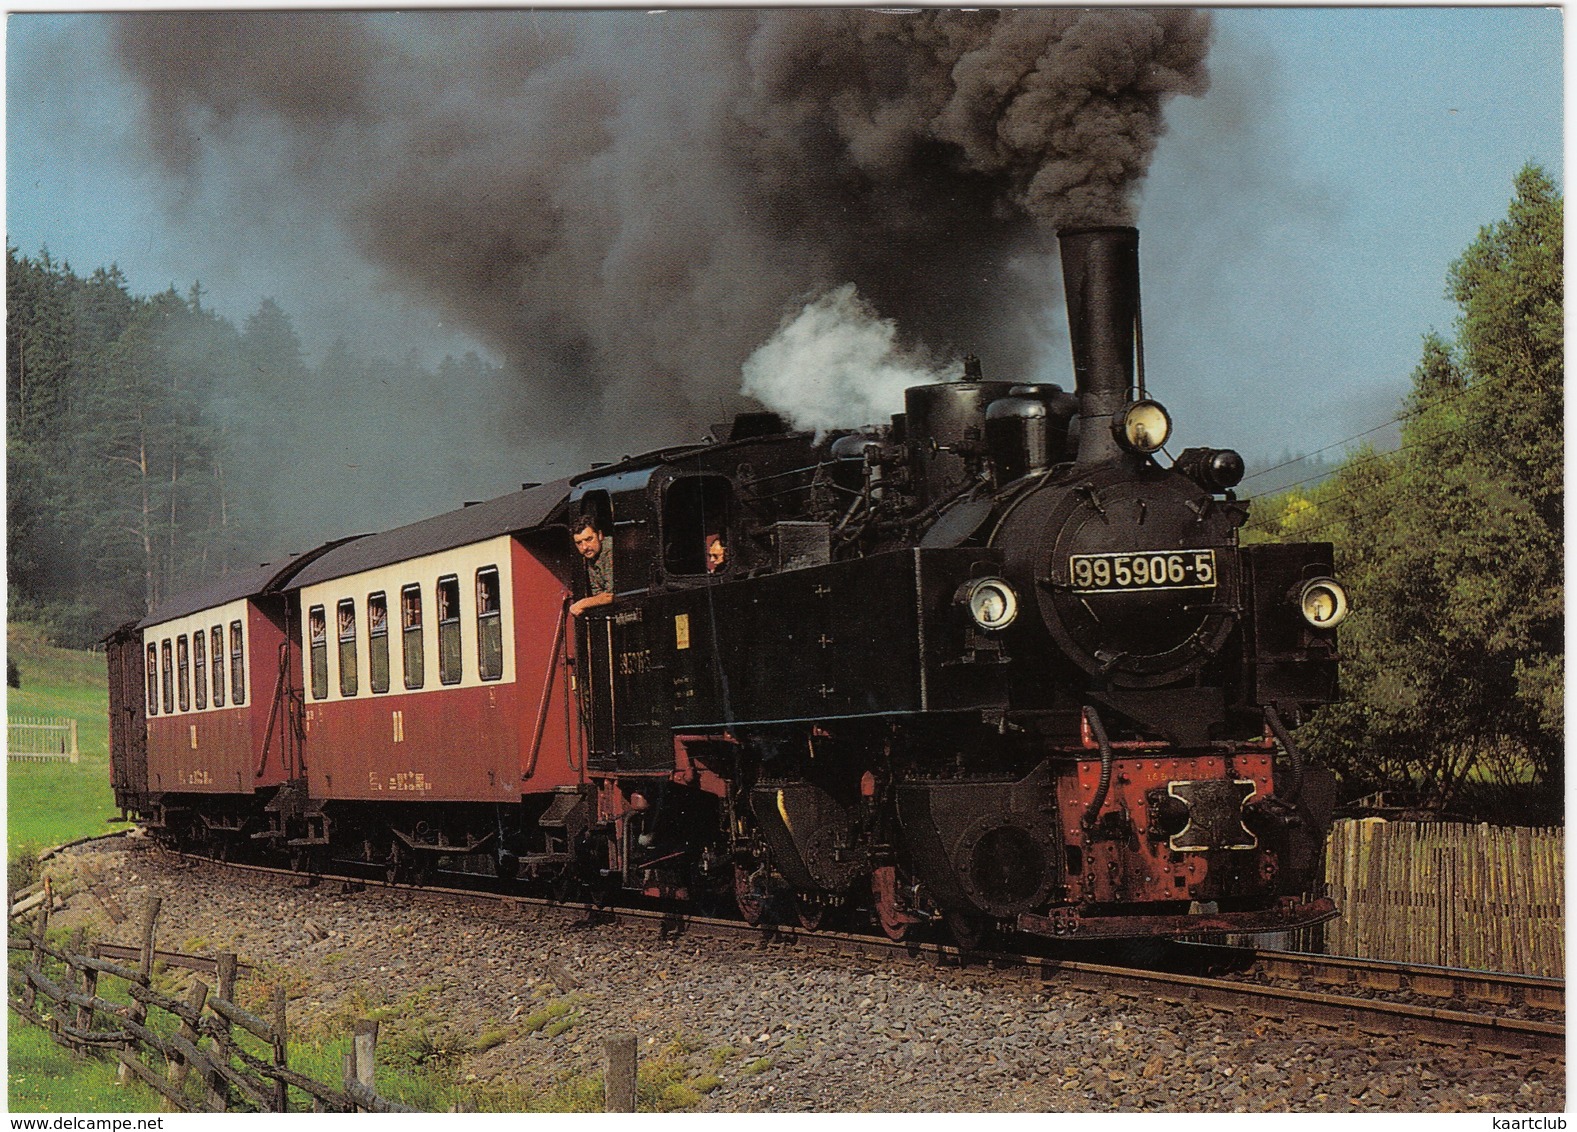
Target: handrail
point(273, 713)
point(547, 689)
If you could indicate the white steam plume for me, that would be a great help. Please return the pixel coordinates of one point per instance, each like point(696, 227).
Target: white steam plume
point(836, 364)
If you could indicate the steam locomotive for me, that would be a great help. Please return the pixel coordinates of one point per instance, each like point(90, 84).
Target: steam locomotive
point(991, 665)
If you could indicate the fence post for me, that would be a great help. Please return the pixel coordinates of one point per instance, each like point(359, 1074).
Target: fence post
point(29, 994)
point(73, 752)
point(364, 1045)
point(139, 1009)
point(179, 1068)
point(87, 980)
point(281, 1049)
point(618, 1082)
point(350, 1075)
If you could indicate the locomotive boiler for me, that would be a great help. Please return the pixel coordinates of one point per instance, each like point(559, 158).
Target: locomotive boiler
point(992, 664)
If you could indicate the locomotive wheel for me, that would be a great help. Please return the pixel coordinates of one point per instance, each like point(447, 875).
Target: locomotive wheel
point(808, 912)
point(751, 904)
point(896, 923)
point(564, 885)
point(967, 927)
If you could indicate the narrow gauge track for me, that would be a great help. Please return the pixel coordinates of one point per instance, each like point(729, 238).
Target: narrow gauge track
point(1487, 1028)
point(1534, 995)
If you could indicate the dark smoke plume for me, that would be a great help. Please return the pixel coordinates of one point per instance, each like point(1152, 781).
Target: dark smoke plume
point(625, 205)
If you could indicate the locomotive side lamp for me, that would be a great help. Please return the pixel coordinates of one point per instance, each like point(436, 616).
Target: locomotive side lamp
point(1323, 603)
point(1143, 426)
point(1214, 469)
point(992, 602)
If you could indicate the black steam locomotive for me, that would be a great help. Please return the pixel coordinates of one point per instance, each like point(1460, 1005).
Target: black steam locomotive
point(992, 664)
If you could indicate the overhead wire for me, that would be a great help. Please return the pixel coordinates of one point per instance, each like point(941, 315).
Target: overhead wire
point(1266, 525)
point(1400, 418)
point(1351, 492)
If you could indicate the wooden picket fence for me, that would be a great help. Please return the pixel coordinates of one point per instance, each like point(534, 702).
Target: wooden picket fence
point(1478, 896)
point(41, 740)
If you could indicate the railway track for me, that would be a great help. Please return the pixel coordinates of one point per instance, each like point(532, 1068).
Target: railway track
point(1494, 1011)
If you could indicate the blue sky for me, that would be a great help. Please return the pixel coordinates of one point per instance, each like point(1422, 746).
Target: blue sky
point(1296, 226)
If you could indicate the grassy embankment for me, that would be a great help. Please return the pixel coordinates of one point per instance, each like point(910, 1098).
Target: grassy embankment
point(50, 803)
point(420, 1062)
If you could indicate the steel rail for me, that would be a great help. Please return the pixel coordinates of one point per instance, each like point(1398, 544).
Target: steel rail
point(1503, 988)
point(1350, 1014)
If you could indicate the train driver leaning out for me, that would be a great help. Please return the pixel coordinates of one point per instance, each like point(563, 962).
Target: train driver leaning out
point(716, 553)
point(597, 549)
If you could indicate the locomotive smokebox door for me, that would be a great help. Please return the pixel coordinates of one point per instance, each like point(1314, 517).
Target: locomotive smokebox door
point(1140, 586)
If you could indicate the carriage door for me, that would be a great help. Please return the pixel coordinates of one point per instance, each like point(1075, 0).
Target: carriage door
point(128, 712)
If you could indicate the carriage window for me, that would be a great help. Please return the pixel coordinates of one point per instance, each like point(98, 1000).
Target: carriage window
point(449, 629)
point(237, 666)
point(217, 636)
point(489, 625)
point(183, 661)
point(411, 627)
point(200, 669)
point(347, 647)
point(153, 679)
point(378, 640)
point(696, 511)
point(168, 670)
point(318, 646)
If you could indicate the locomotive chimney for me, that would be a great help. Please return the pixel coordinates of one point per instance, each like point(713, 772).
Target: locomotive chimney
point(1100, 274)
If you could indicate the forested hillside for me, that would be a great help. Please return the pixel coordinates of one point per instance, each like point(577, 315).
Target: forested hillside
point(151, 444)
point(1453, 544)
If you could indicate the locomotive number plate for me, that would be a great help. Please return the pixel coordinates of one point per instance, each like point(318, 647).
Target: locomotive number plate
point(1151, 570)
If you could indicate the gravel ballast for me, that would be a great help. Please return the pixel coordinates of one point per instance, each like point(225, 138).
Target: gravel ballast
point(766, 1030)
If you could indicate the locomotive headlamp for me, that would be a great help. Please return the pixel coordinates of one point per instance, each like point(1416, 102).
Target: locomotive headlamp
point(1323, 603)
point(1143, 426)
point(991, 602)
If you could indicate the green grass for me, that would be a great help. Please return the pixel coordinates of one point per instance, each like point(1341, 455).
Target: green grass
point(43, 1077)
point(51, 803)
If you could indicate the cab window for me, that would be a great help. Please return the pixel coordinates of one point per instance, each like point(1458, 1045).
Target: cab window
point(697, 511)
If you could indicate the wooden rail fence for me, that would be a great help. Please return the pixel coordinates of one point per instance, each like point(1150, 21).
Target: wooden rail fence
point(205, 1068)
point(41, 740)
point(1479, 896)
